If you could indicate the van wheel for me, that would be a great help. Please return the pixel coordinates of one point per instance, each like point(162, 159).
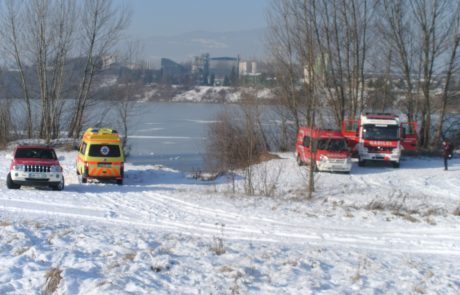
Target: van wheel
point(60, 186)
point(395, 164)
point(299, 161)
point(82, 179)
point(10, 184)
point(120, 181)
point(84, 175)
point(315, 167)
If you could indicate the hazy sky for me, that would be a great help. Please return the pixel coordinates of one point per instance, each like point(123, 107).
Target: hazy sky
point(167, 17)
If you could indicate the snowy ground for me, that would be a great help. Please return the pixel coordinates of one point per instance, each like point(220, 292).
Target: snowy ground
point(378, 230)
point(221, 94)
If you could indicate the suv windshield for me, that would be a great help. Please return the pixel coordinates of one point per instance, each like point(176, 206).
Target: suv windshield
point(384, 132)
point(332, 144)
point(104, 150)
point(36, 153)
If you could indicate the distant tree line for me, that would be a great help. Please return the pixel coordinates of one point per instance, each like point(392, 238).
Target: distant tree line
point(411, 46)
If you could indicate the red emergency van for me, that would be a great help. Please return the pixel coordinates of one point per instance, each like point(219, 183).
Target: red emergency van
point(327, 148)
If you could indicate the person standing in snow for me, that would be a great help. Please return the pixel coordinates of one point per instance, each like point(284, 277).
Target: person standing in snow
point(446, 150)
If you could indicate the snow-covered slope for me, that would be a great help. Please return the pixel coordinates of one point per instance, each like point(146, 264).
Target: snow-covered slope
point(377, 230)
point(222, 94)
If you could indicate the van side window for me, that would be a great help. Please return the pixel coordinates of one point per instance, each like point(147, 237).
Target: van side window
point(83, 148)
point(306, 141)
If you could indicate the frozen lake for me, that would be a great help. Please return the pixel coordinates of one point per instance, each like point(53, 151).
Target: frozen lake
point(172, 134)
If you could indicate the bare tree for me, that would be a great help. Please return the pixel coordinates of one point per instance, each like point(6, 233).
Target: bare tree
point(281, 39)
point(422, 33)
point(452, 66)
point(342, 40)
point(101, 25)
point(397, 31)
point(13, 44)
point(40, 37)
point(294, 23)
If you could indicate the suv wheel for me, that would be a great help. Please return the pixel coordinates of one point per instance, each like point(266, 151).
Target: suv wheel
point(10, 184)
point(60, 186)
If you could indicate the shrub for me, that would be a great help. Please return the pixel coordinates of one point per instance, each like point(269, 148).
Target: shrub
point(5, 122)
point(233, 142)
point(53, 278)
point(457, 211)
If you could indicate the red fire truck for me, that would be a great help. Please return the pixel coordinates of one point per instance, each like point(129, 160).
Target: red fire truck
point(380, 137)
point(327, 148)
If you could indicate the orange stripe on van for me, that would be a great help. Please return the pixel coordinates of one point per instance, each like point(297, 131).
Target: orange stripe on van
point(92, 171)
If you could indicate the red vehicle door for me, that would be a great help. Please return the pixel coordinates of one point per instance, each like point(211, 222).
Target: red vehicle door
point(350, 130)
point(409, 136)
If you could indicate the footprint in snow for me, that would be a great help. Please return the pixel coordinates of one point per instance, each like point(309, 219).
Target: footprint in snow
point(110, 214)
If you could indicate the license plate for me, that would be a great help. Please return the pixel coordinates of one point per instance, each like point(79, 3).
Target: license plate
point(104, 165)
point(37, 175)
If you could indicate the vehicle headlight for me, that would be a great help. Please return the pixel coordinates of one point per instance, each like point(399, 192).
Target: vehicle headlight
point(19, 167)
point(55, 169)
point(323, 158)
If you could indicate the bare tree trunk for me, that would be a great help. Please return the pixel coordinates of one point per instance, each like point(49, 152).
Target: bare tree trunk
point(38, 14)
point(445, 93)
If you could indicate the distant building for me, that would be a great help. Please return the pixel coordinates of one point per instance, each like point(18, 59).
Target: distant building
point(172, 71)
point(108, 60)
point(223, 70)
point(200, 69)
point(253, 67)
point(249, 74)
point(246, 68)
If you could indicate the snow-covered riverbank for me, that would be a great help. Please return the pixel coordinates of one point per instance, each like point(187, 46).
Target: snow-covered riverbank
point(377, 230)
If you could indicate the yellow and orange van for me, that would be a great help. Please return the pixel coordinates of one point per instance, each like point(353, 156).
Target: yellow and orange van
point(100, 156)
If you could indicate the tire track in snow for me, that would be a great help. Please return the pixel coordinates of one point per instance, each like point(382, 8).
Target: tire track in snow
point(420, 241)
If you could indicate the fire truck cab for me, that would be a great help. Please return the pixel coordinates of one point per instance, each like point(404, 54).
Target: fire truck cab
point(380, 137)
point(327, 148)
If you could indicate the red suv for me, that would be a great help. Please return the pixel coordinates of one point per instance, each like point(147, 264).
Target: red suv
point(35, 165)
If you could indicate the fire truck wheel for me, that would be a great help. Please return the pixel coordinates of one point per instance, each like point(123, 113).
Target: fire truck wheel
point(395, 164)
point(10, 184)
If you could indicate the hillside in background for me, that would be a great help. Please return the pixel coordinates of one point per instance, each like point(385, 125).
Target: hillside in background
point(183, 47)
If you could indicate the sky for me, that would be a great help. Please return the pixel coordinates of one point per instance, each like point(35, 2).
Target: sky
point(172, 17)
point(182, 29)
